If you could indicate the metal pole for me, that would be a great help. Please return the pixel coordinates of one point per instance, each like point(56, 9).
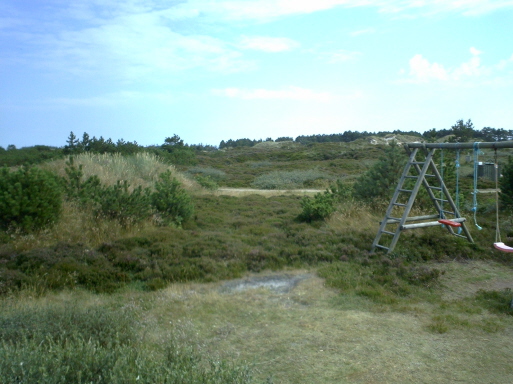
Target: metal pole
point(494, 145)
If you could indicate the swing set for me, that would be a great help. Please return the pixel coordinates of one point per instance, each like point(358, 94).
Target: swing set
point(424, 173)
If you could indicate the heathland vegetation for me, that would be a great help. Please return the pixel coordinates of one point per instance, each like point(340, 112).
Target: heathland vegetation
point(112, 257)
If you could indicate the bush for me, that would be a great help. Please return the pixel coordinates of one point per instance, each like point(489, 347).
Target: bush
point(116, 202)
point(30, 199)
point(341, 192)
point(171, 201)
point(76, 189)
point(320, 207)
point(380, 181)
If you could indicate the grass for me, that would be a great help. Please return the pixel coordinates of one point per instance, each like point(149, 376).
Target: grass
point(311, 333)
point(82, 339)
point(434, 311)
point(314, 334)
point(292, 179)
point(142, 169)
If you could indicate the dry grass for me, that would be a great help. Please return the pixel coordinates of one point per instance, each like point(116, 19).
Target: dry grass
point(355, 214)
point(141, 169)
point(314, 335)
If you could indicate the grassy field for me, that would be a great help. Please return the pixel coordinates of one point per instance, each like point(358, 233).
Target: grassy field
point(244, 292)
point(308, 332)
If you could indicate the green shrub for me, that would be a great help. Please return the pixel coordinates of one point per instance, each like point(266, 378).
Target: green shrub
point(117, 202)
point(171, 201)
point(320, 207)
point(30, 199)
point(76, 189)
point(341, 191)
point(380, 180)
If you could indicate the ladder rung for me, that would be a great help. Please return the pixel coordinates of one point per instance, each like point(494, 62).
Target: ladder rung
point(393, 219)
point(465, 237)
point(430, 176)
point(448, 212)
point(382, 246)
point(388, 233)
point(418, 162)
point(411, 177)
point(442, 200)
point(399, 205)
point(406, 190)
point(435, 188)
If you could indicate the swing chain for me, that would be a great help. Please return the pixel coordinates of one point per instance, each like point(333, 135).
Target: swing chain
point(476, 165)
point(497, 229)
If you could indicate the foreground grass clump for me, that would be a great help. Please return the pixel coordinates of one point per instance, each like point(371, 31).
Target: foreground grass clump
point(71, 342)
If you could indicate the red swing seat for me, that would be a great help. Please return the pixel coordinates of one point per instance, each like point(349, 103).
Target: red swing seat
point(503, 247)
point(449, 223)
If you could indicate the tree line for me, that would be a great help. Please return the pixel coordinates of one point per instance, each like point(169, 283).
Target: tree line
point(461, 131)
point(174, 150)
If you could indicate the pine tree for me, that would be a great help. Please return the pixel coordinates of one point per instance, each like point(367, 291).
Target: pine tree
point(72, 144)
point(381, 179)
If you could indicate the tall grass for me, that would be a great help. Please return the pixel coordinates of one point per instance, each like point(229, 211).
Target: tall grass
point(142, 169)
point(72, 340)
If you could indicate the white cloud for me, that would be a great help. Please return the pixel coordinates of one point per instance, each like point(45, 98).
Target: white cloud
point(421, 70)
point(268, 44)
point(292, 93)
point(133, 39)
point(270, 9)
point(133, 46)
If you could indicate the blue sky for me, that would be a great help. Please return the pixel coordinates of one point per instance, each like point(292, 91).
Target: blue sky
point(212, 70)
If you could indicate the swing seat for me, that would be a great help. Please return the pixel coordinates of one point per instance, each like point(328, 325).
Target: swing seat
point(503, 247)
point(449, 223)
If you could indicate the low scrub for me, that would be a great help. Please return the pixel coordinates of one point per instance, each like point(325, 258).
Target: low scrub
point(319, 207)
point(214, 174)
point(291, 179)
point(380, 279)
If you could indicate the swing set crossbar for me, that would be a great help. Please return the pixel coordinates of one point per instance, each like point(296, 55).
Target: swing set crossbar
point(482, 145)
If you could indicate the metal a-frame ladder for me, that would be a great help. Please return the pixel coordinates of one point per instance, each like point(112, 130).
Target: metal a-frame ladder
point(395, 222)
